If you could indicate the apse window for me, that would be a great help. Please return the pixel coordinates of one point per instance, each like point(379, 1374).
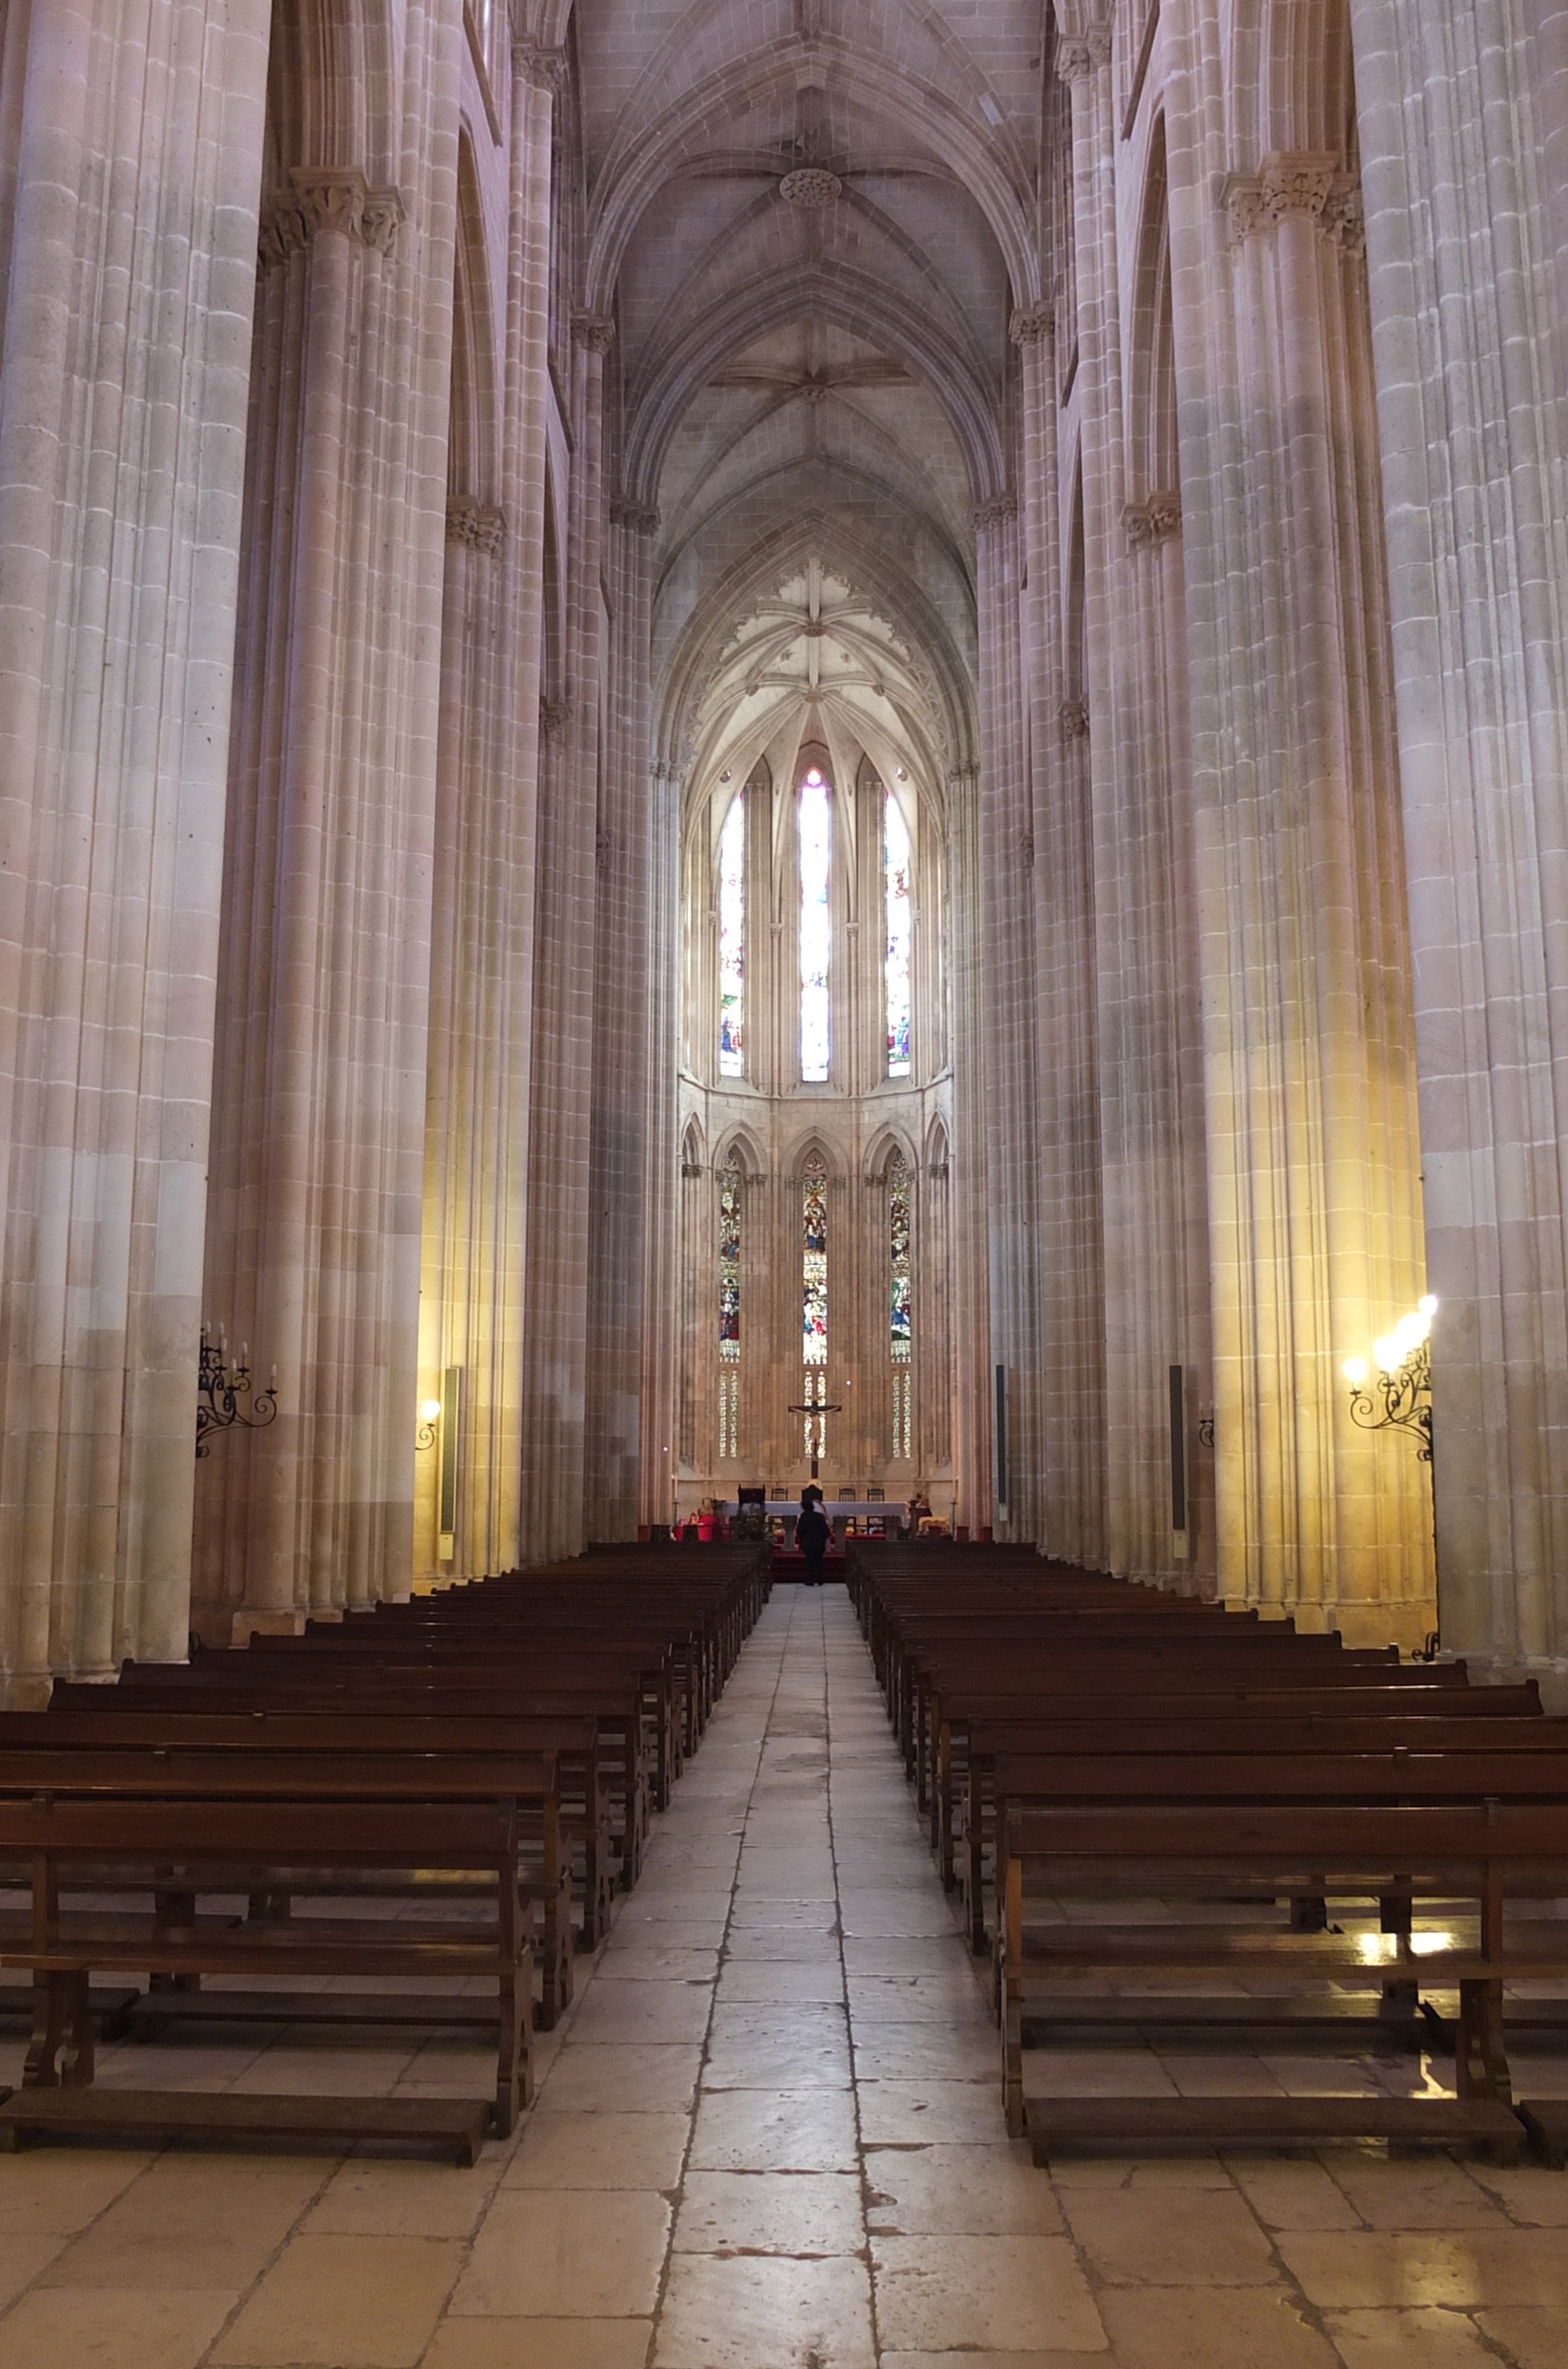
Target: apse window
point(730, 1219)
point(896, 866)
point(901, 1324)
point(814, 1307)
point(814, 807)
point(732, 942)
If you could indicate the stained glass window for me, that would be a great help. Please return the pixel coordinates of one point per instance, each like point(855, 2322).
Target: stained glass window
point(730, 1191)
point(814, 1300)
point(896, 859)
point(814, 1263)
point(732, 941)
point(900, 1323)
point(816, 812)
point(901, 1327)
point(729, 1188)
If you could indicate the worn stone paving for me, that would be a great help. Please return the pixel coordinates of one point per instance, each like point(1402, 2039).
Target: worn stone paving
point(769, 2137)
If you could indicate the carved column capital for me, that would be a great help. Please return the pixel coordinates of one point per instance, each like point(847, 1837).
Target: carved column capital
point(1312, 186)
point(1073, 716)
point(382, 220)
point(1153, 521)
point(594, 330)
point(1033, 325)
point(1084, 54)
point(331, 197)
point(995, 513)
point(542, 68)
point(637, 518)
point(1345, 220)
point(280, 232)
point(337, 198)
point(477, 524)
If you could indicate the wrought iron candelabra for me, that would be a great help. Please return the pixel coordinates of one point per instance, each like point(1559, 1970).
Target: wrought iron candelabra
point(1395, 1393)
point(1401, 1400)
point(221, 1386)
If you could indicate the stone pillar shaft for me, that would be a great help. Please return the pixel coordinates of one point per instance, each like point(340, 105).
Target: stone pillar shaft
point(560, 1178)
point(313, 1224)
point(1467, 235)
point(122, 453)
point(472, 1304)
point(628, 956)
point(1314, 1191)
point(1007, 1021)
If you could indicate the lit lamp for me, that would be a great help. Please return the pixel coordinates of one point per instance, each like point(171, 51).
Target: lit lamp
point(430, 1415)
point(1397, 1396)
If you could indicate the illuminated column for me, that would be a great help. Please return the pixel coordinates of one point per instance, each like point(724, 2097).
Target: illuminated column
point(967, 1192)
point(560, 1182)
point(632, 1143)
point(124, 354)
point(1007, 848)
point(314, 1211)
point(1464, 133)
point(472, 1299)
point(1072, 1388)
point(1314, 1187)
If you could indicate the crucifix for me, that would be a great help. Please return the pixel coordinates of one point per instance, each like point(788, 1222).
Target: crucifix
point(811, 1407)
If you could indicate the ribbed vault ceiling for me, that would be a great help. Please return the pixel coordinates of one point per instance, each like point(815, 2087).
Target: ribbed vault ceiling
point(811, 220)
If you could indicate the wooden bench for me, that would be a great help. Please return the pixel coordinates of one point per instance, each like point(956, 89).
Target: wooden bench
point(199, 1842)
point(970, 1727)
point(77, 1741)
point(232, 1683)
point(1482, 1854)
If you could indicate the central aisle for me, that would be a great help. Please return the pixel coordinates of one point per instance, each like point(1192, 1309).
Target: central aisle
point(785, 2043)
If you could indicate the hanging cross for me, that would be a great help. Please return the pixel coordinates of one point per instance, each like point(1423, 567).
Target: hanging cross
point(815, 1406)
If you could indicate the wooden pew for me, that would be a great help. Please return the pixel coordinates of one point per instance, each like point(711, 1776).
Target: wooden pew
point(355, 1737)
point(1484, 1855)
point(205, 1838)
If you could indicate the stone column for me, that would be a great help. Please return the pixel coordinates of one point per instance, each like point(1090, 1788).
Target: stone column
point(470, 1313)
point(1007, 844)
point(319, 1125)
point(124, 351)
point(634, 947)
point(969, 1187)
point(1151, 1063)
point(1462, 138)
point(1314, 1188)
point(662, 1283)
point(472, 1300)
point(560, 1176)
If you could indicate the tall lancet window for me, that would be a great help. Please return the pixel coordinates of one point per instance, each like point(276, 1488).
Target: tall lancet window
point(895, 859)
point(732, 941)
point(816, 811)
point(900, 1319)
point(814, 1300)
point(730, 1191)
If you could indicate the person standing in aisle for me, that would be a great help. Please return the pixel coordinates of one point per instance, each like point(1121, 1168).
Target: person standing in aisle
point(812, 1533)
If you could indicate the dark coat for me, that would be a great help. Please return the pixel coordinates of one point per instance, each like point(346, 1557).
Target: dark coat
point(812, 1531)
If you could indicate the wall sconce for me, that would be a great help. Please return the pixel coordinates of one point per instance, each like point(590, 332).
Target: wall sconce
point(1399, 1397)
point(430, 1416)
point(220, 1387)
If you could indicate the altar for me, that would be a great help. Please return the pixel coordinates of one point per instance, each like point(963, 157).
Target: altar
point(839, 1512)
